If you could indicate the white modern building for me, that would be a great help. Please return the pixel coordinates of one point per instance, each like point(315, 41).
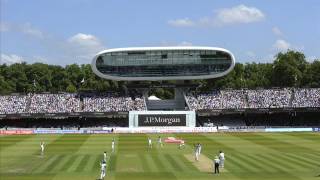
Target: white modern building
point(163, 63)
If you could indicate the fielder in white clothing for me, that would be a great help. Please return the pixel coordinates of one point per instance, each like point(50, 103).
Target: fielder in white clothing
point(42, 147)
point(112, 145)
point(199, 148)
point(149, 143)
point(105, 156)
point(196, 152)
point(221, 158)
point(160, 142)
point(103, 169)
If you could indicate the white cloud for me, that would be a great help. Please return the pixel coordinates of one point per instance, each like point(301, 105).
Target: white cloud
point(276, 31)
point(79, 48)
point(25, 28)
point(14, 58)
point(85, 40)
point(239, 14)
point(185, 22)
point(28, 29)
point(83, 47)
point(281, 45)
point(10, 59)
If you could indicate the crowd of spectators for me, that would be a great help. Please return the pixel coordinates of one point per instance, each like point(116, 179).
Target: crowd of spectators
point(110, 102)
point(13, 104)
point(54, 103)
point(226, 99)
point(205, 101)
point(269, 98)
point(68, 103)
point(233, 99)
point(306, 98)
point(263, 98)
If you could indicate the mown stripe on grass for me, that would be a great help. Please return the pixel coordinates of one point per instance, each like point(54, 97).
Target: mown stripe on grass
point(66, 144)
point(173, 163)
point(260, 164)
point(273, 143)
point(315, 163)
point(83, 163)
point(264, 162)
point(302, 165)
point(90, 163)
point(311, 137)
point(75, 163)
point(268, 161)
point(145, 175)
point(161, 167)
point(253, 166)
point(151, 163)
point(38, 163)
point(66, 166)
point(113, 163)
point(179, 160)
point(277, 159)
point(54, 163)
point(63, 161)
point(145, 165)
point(312, 156)
point(8, 141)
point(96, 164)
point(302, 143)
point(27, 176)
point(188, 164)
point(47, 163)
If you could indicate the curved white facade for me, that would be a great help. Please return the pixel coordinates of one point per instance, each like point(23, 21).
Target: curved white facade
point(145, 63)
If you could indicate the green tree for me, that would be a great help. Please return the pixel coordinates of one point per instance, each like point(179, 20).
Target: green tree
point(311, 77)
point(71, 88)
point(288, 69)
point(39, 77)
point(75, 74)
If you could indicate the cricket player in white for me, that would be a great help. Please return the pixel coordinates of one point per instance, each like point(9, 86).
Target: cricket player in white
point(42, 147)
point(105, 156)
point(199, 148)
point(112, 145)
point(221, 158)
point(160, 142)
point(103, 169)
point(196, 151)
point(150, 143)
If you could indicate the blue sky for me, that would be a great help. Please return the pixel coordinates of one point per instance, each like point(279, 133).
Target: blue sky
point(72, 31)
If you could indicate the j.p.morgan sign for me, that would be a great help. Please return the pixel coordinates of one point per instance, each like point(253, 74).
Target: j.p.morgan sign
point(162, 119)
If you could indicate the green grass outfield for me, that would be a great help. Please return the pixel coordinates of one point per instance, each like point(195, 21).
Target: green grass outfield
point(256, 156)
